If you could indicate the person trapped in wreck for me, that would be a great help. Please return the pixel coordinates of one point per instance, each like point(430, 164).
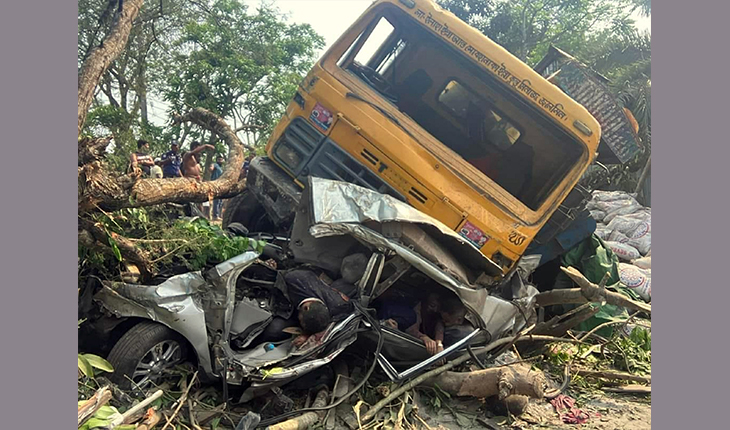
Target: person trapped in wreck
point(438, 320)
point(422, 321)
point(453, 317)
point(315, 303)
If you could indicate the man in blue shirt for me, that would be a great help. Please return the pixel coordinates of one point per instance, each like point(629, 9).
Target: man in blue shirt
point(171, 161)
point(216, 170)
point(247, 163)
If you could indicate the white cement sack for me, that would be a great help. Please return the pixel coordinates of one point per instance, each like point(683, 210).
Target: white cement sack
point(624, 251)
point(641, 243)
point(602, 232)
point(608, 196)
point(631, 227)
point(617, 236)
point(643, 263)
point(623, 210)
point(598, 215)
point(635, 279)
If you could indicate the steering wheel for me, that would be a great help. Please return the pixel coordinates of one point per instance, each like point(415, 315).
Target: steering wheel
point(372, 78)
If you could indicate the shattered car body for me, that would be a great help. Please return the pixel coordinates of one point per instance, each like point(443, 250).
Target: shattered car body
point(220, 316)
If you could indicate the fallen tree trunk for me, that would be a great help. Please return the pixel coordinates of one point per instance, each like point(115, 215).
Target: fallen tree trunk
point(99, 189)
point(499, 381)
point(92, 149)
point(588, 292)
point(453, 363)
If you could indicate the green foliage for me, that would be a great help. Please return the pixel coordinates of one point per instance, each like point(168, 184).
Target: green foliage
point(89, 362)
point(206, 244)
point(632, 353)
point(193, 244)
point(527, 28)
point(103, 417)
point(240, 64)
point(244, 65)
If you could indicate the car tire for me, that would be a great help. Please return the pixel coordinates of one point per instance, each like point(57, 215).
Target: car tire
point(146, 347)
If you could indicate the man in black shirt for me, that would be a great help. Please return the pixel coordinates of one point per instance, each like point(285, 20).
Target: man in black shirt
point(316, 302)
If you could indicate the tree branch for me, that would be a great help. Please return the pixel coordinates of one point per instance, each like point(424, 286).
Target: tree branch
point(92, 149)
point(92, 235)
point(588, 292)
point(102, 56)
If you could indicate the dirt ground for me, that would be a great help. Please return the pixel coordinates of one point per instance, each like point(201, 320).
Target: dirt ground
point(607, 412)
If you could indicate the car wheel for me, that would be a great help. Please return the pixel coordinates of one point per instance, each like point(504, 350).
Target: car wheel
point(145, 354)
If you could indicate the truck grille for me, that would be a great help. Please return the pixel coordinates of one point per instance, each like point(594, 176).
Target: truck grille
point(332, 162)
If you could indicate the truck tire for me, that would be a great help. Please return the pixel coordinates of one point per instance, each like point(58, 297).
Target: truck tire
point(243, 209)
point(144, 354)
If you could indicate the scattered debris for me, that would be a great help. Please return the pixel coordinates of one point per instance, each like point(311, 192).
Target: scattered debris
point(88, 408)
point(569, 414)
point(629, 389)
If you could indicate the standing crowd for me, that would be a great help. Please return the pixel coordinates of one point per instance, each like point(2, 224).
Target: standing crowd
point(174, 164)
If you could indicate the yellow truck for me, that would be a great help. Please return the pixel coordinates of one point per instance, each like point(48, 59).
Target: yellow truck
point(414, 103)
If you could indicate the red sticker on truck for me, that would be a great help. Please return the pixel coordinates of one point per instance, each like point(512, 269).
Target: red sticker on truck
point(472, 233)
point(321, 117)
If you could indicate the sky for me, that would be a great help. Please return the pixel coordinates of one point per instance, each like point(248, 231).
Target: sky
point(329, 18)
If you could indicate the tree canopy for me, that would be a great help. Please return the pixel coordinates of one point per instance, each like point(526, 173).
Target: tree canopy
point(221, 55)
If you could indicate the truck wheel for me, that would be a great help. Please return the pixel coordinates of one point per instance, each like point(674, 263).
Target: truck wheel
point(145, 354)
point(243, 208)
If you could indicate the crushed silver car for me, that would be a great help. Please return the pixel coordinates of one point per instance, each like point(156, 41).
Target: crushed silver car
point(220, 318)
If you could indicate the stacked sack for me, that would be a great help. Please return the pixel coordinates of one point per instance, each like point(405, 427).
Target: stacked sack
point(625, 226)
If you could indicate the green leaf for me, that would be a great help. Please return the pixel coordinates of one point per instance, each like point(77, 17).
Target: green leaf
point(85, 367)
point(106, 412)
point(99, 363)
point(94, 423)
point(115, 248)
point(214, 423)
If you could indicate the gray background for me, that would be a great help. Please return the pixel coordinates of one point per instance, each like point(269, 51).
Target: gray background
point(38, 229)
point(38, 92)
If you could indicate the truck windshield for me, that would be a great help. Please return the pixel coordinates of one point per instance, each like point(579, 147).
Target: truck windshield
point(462, 106)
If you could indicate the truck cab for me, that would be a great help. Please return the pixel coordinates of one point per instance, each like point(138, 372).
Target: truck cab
point(414, 103)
